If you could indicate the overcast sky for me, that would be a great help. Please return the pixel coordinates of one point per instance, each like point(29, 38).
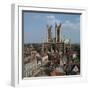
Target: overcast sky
point(35, 26)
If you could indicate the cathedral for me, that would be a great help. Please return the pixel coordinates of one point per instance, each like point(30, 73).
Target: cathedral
point(56, 44)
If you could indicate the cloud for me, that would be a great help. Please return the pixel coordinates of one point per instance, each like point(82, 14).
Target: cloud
point(51, 20)
point(71, 30)
point(68, 25)
point(52, 17)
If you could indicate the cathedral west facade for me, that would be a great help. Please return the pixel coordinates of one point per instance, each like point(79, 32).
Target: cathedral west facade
point(56, 44)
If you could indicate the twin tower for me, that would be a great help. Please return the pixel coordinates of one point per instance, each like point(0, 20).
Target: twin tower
point(57, 38)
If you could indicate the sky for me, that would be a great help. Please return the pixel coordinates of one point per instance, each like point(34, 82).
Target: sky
point(35, 26)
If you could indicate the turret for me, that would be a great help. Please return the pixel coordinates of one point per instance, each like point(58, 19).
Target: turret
point(58, 33)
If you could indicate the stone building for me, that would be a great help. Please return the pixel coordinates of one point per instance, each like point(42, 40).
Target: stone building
point(56, 43)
